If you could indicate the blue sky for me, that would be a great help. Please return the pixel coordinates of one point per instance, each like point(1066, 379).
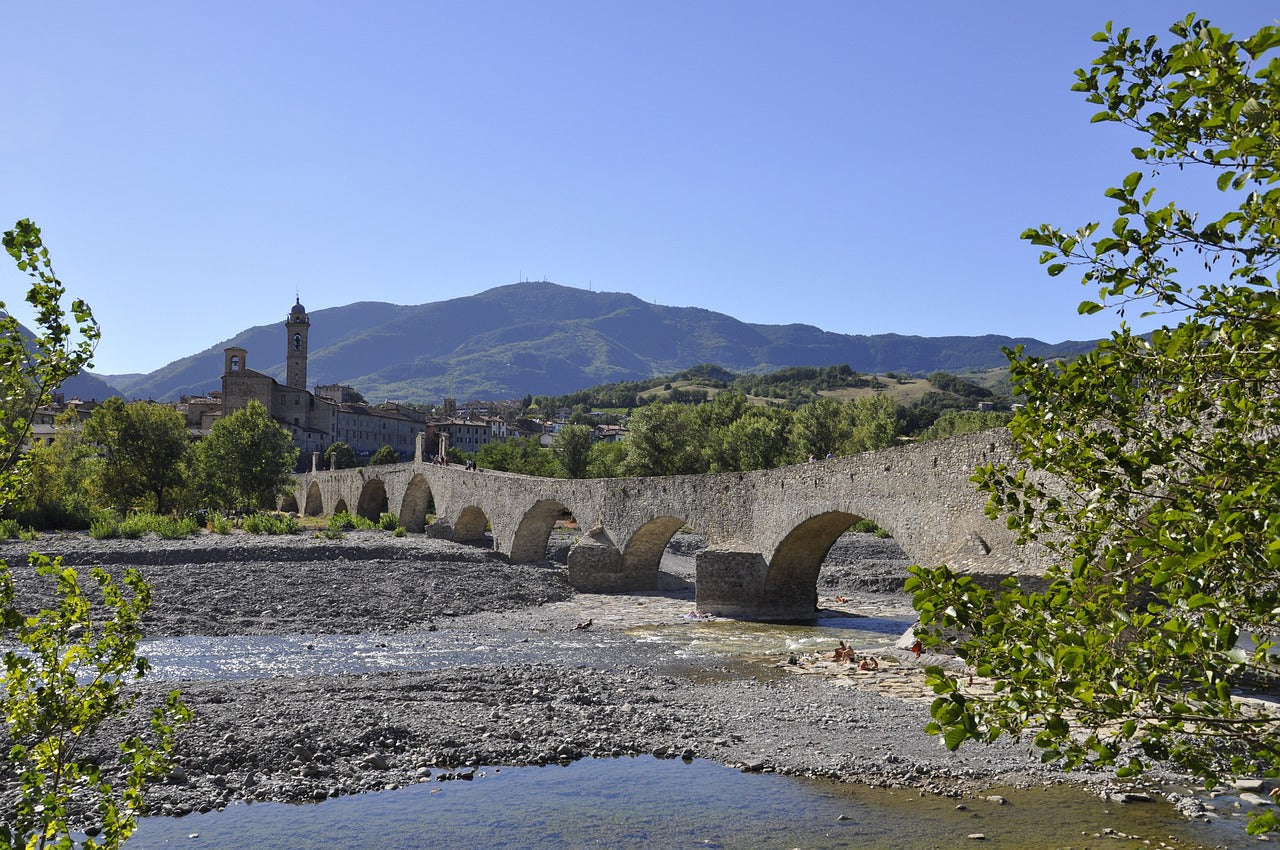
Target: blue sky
point(865, 168)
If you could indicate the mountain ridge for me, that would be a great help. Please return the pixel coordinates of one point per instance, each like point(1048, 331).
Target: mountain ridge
point(544, 338)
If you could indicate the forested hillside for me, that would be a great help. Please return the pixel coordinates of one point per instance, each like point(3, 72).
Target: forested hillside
point(543, 338)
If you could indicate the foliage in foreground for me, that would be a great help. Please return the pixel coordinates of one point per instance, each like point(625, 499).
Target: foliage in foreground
point(1149, 468)
point(69, 675)
point(66, 672)
point(31, 369)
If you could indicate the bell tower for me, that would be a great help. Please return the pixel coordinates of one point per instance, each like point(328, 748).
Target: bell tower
point(296, 327)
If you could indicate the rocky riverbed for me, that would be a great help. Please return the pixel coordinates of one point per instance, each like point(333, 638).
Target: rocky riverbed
point(592, 692)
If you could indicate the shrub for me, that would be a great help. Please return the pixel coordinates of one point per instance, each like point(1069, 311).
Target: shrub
point(399, 532)
point(171, 528)
point(134, 526)
point(343, 521)
point(219, 524)
point(166, 527)
point(330, 534)
point(270, 524)
point(11, 529)
point(104, 526)
point(388, 522)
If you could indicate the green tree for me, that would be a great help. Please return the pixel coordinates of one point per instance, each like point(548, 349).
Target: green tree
point(951, 423)
point(607, 459)
point(524, 456)
point(666, 439)
point(877, 422)
point(67, 671)
point(821, 428)
point(572, 447)
point(144, 449)
point(63, 475)
point(758, 439)
point(1149, 467)
point(384, 456)
point(247, 460)
point(339, 455)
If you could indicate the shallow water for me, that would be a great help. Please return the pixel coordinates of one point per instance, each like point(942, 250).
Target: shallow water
point(254, 656)
point(647, 802)
point(773, 641)
point(629, 802)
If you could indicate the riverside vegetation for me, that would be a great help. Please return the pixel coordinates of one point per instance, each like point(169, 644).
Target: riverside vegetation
point(1149, 467)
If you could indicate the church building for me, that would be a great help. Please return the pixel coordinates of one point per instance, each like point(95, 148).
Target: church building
point(317, 419)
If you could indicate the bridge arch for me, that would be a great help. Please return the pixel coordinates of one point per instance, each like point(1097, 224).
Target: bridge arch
point(341, 507)
point(373, 499)
point(470, 526)
point(792, 576)
point(644, 550)
point(416, 504)
point(289, 503)
point(530, 543)
point(314, 505)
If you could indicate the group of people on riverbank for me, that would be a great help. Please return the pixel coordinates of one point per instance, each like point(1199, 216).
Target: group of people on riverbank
point(846, 655)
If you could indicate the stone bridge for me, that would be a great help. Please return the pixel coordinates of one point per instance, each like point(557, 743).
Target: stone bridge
point(767, 531)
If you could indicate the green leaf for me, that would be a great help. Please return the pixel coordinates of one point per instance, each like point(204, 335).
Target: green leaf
point(955, 736)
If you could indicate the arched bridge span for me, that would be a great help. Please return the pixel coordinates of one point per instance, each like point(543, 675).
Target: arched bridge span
point(767, 531)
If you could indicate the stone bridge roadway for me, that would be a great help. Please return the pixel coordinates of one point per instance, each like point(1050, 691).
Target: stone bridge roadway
point(767, 532)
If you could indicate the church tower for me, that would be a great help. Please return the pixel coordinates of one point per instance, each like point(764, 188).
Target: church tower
point(296, 327)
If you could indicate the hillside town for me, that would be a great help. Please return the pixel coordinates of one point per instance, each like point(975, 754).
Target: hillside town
point(335, 413)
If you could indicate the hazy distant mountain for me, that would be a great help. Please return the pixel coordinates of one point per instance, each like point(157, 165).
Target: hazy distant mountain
point(88, 386)
point(543, 338)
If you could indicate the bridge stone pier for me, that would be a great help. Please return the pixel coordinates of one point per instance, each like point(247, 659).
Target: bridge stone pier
point(767, 532)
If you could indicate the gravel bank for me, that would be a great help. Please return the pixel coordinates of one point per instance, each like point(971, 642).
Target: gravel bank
point(311, 737)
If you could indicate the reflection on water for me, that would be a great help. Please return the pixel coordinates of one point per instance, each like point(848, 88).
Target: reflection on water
point(646, 802)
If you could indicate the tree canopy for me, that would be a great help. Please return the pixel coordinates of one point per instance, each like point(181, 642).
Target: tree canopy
point(383, 456)
point(572, 448)
point(246, 461)
point(144, 449)
point(1149, 468)
point(339, 455)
